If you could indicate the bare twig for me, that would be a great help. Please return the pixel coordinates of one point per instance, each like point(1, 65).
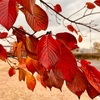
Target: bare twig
point(76, 12)
point(74, 21)
point(90, 14)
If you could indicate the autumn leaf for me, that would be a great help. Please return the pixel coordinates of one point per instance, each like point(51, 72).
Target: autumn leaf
point(66, 67)
point(68, 39)
point(18, 50)
point(39, 20)
point(20, 34)
point(39, 68)
point(14, 47)
point(97, 2)
point(3, 35)
point(30, 65)
point(31, 46)
point(11, 71)
point(80, 38)
point(79, 84)
point(27, 4)
point(40, 79)
point(90, 5)
point(72, 29)
point(52, 80)
point(92, 74)
point(48, 51)
point(92, 92)
point(57, 8)
point(3, 53)
point(8, 13)
point(22, 74)
point(22, 63)
point(30, 81)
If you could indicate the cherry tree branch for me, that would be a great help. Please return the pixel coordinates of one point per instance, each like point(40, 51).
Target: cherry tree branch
point(74, 21)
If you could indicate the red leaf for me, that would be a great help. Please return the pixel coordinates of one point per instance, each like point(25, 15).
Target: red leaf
point(31, 46)
point(39, 20)
point(68, 39)
point(57, 8)
point(48, 51)
point(92, 92)
point(27, 4)
point(3, 53)
point(51, 79)
point(72, 29)
point(11, 71)
point(30, 81)
point(40, 79)
point(66, 67)
point(30, 65)
point(90, 5)
point(79, 84)
point(3, 35)
point(92, 74)
point(97, 2)
point(20, 33)
point(39, 68)
point(80, 38)
point(8, 13)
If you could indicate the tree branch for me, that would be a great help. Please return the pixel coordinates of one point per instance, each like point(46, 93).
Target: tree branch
point(73, 21)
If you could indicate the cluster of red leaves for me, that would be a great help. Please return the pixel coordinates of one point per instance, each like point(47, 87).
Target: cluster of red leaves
point(52, 59)
point(36, 17)
point(50, 56)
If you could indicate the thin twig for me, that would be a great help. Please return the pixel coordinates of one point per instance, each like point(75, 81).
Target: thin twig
point(76, 12)
point(14, 28)
point(11, 61)
point(90, 14)
point(8, 41)
point(73, 21)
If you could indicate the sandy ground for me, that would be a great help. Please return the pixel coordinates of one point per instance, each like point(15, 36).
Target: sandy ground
point(12, 89)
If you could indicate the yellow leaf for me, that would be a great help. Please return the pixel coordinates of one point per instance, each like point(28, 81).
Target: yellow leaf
point(30, 81)
point(31, 46)
point(18, 50)
point(22, 74)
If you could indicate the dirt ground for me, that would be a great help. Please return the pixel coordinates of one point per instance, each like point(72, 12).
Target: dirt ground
point(12, 89)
